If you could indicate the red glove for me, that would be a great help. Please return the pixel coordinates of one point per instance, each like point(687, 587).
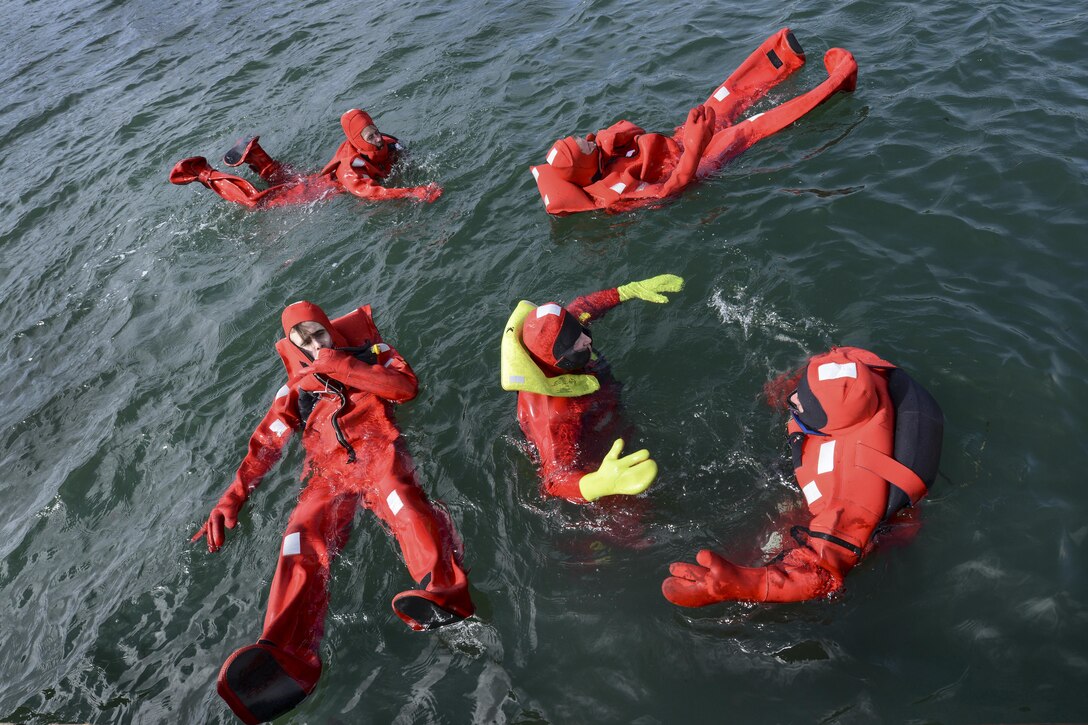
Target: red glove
point(699, 128)
point(330, 362)
point(714, 580)
point(225, 513)
point(428, 193)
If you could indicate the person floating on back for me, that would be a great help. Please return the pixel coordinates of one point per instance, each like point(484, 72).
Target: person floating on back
point(623, 167)
point(362, 161)
point(342, 382)
point(866, 442)
point(568, 400)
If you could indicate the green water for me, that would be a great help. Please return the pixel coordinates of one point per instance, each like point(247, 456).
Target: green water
point(933, 216)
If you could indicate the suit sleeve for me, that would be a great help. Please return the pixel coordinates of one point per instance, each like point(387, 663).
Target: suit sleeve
point(364, 187)
point(391, 378)
point(555, 440)
point(265, 446)
point(588, 308)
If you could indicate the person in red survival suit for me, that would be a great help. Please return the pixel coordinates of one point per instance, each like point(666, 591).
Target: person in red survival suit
point(361, 162)
point(866, 442)
point(623, 167)
point(568, 398)
point(342, 381)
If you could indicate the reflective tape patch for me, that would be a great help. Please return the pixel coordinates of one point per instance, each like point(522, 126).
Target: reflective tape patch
point(536, 174)
point(395, 504)
point(547, 200)
point(618, 188)
point(833, 371)
point(721, 94)
point(382, 347)
point(826, 463)
point(550, 309)
point(278, 427)
point(811, 492)
point(631, 153)
point(518, 379)
point(281, 392)
point(552, 153)
point(292, 544)
point(755, 117)
point(388, 362)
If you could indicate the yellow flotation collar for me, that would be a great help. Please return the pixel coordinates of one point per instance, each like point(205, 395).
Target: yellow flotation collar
point(520, 373)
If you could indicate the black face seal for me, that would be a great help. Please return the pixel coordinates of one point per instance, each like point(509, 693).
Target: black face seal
point(563, 348)
point(813, 418)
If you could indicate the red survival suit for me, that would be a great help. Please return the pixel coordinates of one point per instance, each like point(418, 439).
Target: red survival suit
point(356, 167)
point(867, 443)
point(630, 168)
point(571, 435)
point(342, 404)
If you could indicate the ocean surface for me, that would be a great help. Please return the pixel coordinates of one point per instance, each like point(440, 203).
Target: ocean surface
point(937, 216)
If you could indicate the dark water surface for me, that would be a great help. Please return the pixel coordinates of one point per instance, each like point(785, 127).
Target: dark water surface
point(936, 216)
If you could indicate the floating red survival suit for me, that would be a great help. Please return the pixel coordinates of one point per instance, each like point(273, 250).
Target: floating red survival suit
point(356, 167)
point(571, 434)
point(622, 167)
point(342, 404)
point(866, 441)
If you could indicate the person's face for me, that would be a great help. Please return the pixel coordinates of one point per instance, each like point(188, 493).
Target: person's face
point(578, 354)
point(310, 337)
point(795, 403)
point(373, 136)
point(586, 147)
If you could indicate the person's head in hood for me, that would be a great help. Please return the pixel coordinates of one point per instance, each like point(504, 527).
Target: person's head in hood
point(834, 394)
point(556, 340)
point(308, 327)
point(577, 159)
point(361, 131)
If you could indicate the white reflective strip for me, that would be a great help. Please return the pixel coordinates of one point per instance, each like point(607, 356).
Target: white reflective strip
point(395, 504)
point(755, 117)
point(536, 174)
point(546, 200)
point(832, 371)
point(551, 155)
point(721, 94)
point(618, 188)
point(278, 427)
point(826, 463)
point(388, 362)
point(517, 378)
point(811, 492)
point(631, 153)
point(551, 309)
point(292, 544)
point(281, 392)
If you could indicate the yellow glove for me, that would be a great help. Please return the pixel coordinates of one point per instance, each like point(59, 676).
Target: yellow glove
point(629, 475)
point(651, 289)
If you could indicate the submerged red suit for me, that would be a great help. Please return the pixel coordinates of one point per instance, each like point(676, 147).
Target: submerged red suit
point(630, 168)
point(572, 435)
point(866, 444)
point(357, 167)
point(342, 404)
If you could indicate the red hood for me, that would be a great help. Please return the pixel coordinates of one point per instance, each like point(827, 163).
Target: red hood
point(839, 390)
point(539, 332)
point(571, 164)
point(618, 138)
point(353, 122)
point(304, 311)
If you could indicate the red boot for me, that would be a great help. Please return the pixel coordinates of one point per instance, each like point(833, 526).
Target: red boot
point(260, 682)
point(248, 151)
point(435, 607)
point(231, 188)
